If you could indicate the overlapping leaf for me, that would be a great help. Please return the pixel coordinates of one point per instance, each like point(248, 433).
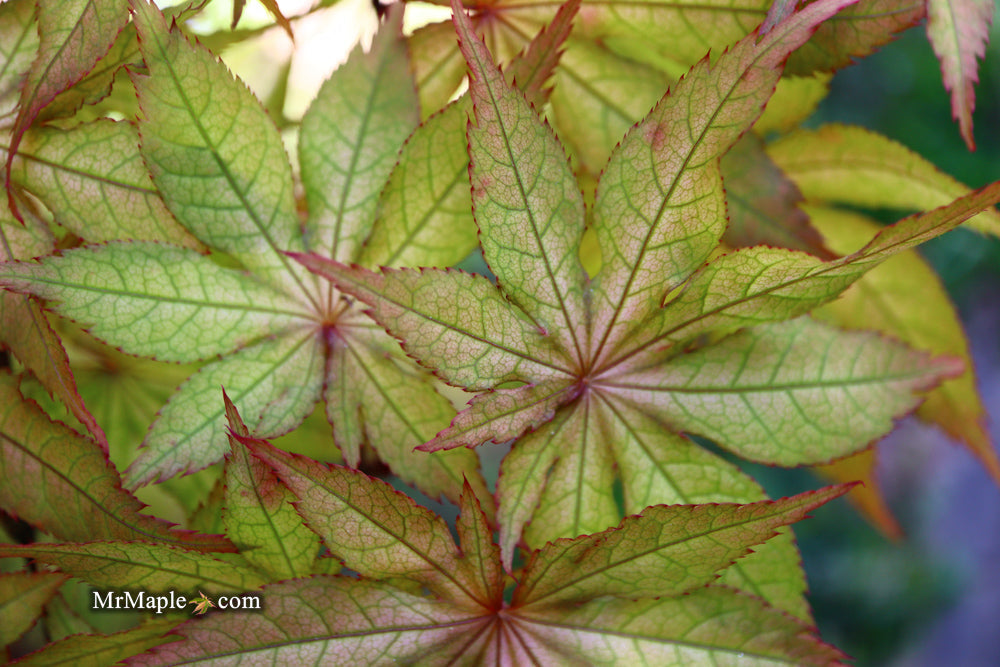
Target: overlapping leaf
point(640, 46)
point(219, 164)
point(851, 165)
point(22, 596)
point(90, 650)
point(73, 36)
point(154, 568)
point(657, 564)
point(63, 482)
point(600, 364)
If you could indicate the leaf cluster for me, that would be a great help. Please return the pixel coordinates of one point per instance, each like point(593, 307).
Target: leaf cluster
point(653, 279)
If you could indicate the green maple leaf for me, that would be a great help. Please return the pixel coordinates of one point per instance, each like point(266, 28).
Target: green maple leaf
point(621, 57)
point(201, 603)
point(597, 375)
point(277, 338)
point(641, 593)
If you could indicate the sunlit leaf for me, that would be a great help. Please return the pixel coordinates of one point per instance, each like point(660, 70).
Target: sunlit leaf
point(73, 35)
point(851, 165)
point(93, 180)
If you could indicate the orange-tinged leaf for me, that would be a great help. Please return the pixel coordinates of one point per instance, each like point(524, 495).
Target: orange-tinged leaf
point(959, 30)
point(885, 300)
point(867, 496)
point(683, 545)
point(74, 35)
point(269, 5)
point(63, 482)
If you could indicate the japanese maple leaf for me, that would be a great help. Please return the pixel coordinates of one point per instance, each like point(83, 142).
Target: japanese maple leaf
point(274, 336)
point(644, 592)
point(621, 51)
point(594, 376)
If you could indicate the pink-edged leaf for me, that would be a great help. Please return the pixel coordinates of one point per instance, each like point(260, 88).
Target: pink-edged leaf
point(789, 393)
point(660, 206)
point(24, 328)
point(959, 30)
point(239, 198)
point(374, 395)
point(29, 336)
point(153, 568)
point(90, 650)
point(666, 550)
point(349, 139)
point(526, 202)
point(259, 516)
point(74, 35)
point(884, 300)
point(375, 530)
point(710, 626)
point(475, 539)
point(93, 180)
point(858, 31)
point(761, 284)
point(500, 415)
point(64, 483)
point(456, 323)
point(425, 207)
point(524, 473)
point(323, 620)
point(22, 599)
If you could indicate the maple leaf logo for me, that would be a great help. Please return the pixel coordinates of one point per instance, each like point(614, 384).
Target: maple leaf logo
point(201, 603)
